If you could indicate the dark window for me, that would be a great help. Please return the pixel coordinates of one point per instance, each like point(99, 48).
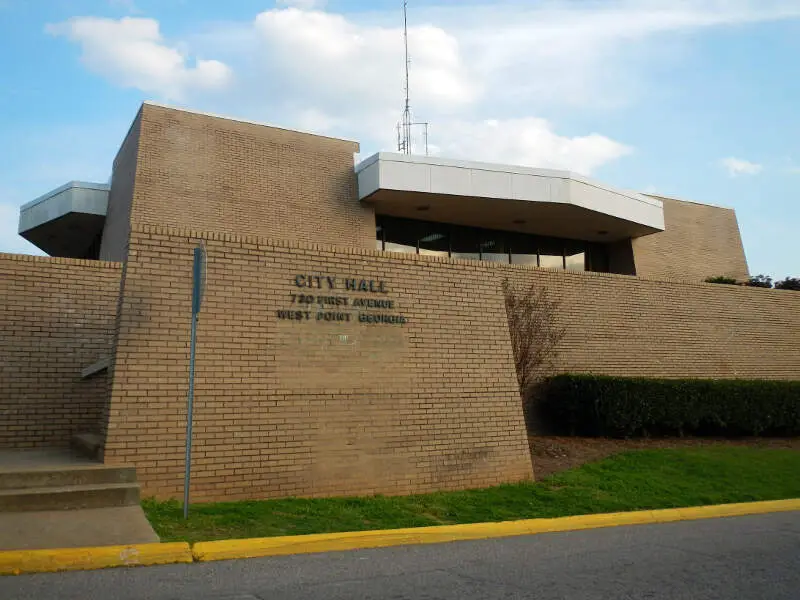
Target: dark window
point(493, 246)
point(434, 239)
point(575, 255)
point(400, 235)
point(524, 249)
point(598, 258)
point(465, 243)
point(551, 253)
point(394, 234)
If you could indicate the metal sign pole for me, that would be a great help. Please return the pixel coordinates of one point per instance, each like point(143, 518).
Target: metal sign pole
point(198, 281)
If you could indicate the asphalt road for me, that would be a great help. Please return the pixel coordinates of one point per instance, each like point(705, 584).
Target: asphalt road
point(732, 558)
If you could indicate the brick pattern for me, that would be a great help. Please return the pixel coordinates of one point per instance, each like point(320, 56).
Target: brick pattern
point(218, 174)
point(306, 408)
point(114, 245)
point(628, 326)
point(699, 241)
point(56, 318)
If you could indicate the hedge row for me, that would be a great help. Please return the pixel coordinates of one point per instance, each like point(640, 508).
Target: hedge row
point(627, 407)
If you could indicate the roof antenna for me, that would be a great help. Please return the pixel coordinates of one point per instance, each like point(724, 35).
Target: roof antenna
point(405, 125)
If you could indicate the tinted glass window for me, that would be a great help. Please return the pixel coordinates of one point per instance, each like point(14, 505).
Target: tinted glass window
point(551, 254)
point(434, 239)
point(598, 258)
point(465, 243)
point(493, 246)
point(524, 249)
point(575, 256)
point(400, 235)
point(394, 234)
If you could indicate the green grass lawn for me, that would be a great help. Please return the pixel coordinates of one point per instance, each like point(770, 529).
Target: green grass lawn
point(643, 479)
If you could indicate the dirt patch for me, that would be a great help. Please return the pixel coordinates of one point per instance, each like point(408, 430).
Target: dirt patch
point(552, 454)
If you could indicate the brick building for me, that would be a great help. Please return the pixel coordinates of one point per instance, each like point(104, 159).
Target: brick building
point(353, 336)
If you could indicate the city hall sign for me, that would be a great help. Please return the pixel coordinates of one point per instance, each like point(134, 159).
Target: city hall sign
point(340, 300)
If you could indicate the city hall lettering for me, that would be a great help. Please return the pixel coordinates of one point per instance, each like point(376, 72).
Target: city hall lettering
point(348, 284)
point(326, 308)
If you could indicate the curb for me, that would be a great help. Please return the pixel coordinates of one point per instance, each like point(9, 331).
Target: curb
point(15, 562)
point(330, 542)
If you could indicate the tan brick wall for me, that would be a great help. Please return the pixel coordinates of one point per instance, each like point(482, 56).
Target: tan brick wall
point(284, 407)
point(114, 245)
point(216, 174)
point(627, 326)
point(699, 241)
point(56, 317)
point(287, 407)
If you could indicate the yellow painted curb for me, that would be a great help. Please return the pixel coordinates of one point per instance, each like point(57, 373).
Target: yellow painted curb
point(15, 562)
point(327, 542)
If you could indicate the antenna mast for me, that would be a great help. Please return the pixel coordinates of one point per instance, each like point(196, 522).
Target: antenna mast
point(405, 125)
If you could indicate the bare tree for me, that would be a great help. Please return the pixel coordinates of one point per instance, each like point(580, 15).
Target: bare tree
point(534, 334)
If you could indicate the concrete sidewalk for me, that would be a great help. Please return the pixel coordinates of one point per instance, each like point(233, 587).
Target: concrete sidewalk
point(55, 498)
point(112, 526)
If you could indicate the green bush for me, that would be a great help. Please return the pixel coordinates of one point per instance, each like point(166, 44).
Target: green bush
point(630, 407)
point(761, 281)
point(721, 279)
point(790, 283)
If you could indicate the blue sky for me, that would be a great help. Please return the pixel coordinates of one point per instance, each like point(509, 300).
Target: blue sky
point(696, 100)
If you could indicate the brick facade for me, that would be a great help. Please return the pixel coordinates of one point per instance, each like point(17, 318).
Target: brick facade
point(292, 406)
point(116, 229)
point(216, 174)
point(56, 318)
point(699, 241)
point(289, 407)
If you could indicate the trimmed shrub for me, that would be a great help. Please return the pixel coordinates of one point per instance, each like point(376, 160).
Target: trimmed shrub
point(721, 279)
point(790, 283)
point(593, 405)
point(761, 281)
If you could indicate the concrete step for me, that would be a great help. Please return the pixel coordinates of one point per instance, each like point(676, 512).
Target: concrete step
point(69, 497)
point(44, 477)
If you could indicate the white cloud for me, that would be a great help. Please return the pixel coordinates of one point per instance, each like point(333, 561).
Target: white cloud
point(131, 52)
point(526, 141)
point(737, 166)
point(341, 77)
point(343, 74)
point(299, 66)
point(333, 62)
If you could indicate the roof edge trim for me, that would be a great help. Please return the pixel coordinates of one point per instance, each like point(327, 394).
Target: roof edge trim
point(512, 169)
point(247, 121)
point(85, 185)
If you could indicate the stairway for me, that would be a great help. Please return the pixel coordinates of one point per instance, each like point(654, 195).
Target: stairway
point(59, 498)
point(38, 482)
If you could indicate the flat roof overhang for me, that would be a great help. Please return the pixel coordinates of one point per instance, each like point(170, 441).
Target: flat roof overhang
point(536, 201)
point(67, 221)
